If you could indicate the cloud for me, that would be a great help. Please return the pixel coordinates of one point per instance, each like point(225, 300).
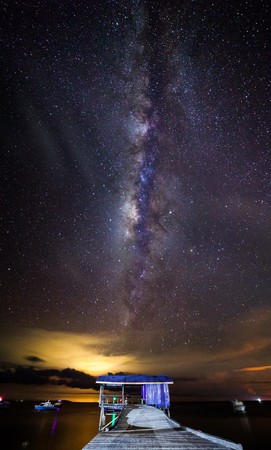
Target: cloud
point(186, 379)
point(253, 369)
point(34, 359)
point(86, 352)
point(67, 377)
point(221, 369)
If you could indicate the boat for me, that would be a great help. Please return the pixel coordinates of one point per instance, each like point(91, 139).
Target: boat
point(46, 406)
point(238, 406)
point(4, 403)
point(59, 403)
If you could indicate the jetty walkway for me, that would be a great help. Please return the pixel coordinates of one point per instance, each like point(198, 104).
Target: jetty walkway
point(146, 427)
point(144, 424)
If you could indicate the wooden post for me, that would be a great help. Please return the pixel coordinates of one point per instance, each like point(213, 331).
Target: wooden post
point(101, 403)
point(122, 394)
point(102, 419)
point(101, 396)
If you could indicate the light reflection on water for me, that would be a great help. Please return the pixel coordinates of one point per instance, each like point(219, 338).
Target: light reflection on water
point(54, 424)
point(71, 427)
point(244, 420)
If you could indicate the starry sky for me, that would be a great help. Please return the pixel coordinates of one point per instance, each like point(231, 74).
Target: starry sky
point(135, 194)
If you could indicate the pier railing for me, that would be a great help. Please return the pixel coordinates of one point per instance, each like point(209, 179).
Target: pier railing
point(119, 400)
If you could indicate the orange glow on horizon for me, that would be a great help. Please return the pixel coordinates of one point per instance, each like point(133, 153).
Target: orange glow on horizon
point(253, 369)
point(197, 372)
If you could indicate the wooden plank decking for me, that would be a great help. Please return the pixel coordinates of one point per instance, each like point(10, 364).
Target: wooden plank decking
point(145, 427)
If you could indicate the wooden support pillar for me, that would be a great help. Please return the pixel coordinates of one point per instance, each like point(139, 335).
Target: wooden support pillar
point(122, 395)
point(101, 396)
point(102, 419)
point(101, 403)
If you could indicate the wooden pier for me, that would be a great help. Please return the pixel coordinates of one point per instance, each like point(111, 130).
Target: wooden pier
point(142, 426)
point(146, 427)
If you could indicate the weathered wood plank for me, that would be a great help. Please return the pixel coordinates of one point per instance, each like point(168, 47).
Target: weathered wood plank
point(167, 440)
point(145, 427)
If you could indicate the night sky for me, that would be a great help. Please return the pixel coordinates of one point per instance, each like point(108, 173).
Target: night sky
point(136, 192)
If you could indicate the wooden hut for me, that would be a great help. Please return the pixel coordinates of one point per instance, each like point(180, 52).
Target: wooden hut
point(152, 390)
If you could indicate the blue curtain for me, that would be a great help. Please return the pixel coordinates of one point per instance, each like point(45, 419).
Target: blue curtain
point(156, 395)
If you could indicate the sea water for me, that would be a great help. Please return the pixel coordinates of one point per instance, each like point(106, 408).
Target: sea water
point(68, 428)
point(75, 424)
point(251, 429)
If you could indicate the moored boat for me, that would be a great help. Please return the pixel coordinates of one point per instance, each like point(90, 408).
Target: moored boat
point(46, 406)
point(58, 403)
point(238, 406)
point(4, 403)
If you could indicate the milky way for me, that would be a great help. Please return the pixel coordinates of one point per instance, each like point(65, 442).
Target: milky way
point(144, 193)
point(136, 169)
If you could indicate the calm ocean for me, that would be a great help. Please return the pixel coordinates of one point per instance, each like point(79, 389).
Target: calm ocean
point(75, 424)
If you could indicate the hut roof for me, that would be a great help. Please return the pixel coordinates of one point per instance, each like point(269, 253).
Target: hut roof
point(119, 380)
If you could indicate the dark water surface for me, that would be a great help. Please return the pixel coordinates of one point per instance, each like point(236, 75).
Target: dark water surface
point(252, 429)
point(69, 428)
point(75, 424)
